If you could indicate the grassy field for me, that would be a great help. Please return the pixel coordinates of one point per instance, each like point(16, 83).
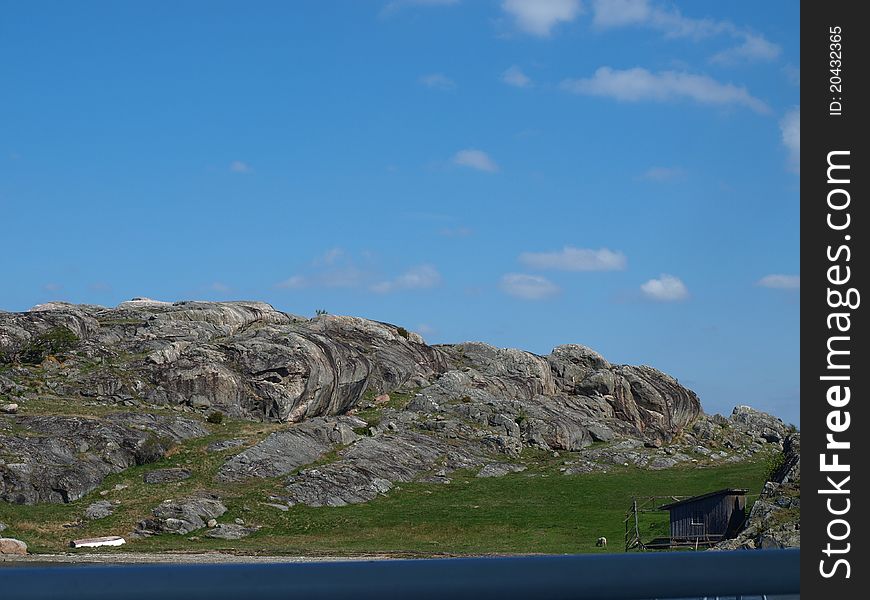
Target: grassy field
point(537, 511)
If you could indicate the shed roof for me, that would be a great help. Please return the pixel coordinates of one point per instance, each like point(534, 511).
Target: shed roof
point(722, 492)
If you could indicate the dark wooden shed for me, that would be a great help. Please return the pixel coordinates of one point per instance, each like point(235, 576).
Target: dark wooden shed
point(708, 518)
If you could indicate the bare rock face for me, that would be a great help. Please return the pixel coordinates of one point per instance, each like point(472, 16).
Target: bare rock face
point(370, 467)
point(439, 408)
point(62, 458)
point(249, 360)
point(284, 451)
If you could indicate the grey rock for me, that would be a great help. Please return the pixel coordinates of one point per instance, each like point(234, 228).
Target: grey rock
point(11, 546)
point(230, 531)
point(99, 510)
point(181, 516)
point(658, 464)
point(774, 521)
point(371, 466)
point(48, 467)
point(284, 451)
point(225, 445)
point(500, 469)
point(3, 527)
point(470, 405)
point(166, 475)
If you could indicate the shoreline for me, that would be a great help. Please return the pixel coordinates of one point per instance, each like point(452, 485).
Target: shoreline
point(146, 558)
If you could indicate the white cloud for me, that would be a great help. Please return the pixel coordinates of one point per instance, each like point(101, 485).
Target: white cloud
point(238, 166)
point(781, 282)
point(608, 14)
point(417, 278)
point(437, 81)
point(220, 287)
point(620, 13)
point(624, 13)
point(575, 259)
point(638, 84)
point(538, 17)
point(528, 287)
point(753, 49)
point(790, 125)
point(664, 174)
point(475, 159)
point(514, 76)
point(666, 288)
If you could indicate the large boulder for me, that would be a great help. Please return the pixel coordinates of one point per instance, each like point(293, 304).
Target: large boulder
point(11, 546)
point(181, 516)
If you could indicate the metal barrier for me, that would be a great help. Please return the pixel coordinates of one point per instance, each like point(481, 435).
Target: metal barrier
point(671, 575)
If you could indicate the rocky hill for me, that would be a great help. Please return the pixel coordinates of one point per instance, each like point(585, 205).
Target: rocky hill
point(353, 406)
point(774, 521)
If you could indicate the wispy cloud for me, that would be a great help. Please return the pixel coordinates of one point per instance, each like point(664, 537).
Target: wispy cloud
point(528, 287)
point(664, 174)
point(790, 126)
point(475, 159)
point(514, 76)
point(638, 84)
point(339, 277)
point(666, 288)
point(437, 81)
point(52, 287)
point(330, 257)
point(575, 259)
point(608, 14)
point(755, 48)
point(539, 17)
point(670, 21)
point(335, 268)
point(418, 278)
point(781, 282)
point(238, 166)
point(793, 74)
point(455, 232)
point(219, 287)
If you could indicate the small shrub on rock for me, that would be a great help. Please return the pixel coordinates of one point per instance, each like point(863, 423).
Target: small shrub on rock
point(56, 340)
point(216, 417)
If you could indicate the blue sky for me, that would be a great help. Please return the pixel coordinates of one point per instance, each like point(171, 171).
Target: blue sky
point(622, 174)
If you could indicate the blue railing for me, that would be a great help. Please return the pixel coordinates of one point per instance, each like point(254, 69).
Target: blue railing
point(671, 575)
